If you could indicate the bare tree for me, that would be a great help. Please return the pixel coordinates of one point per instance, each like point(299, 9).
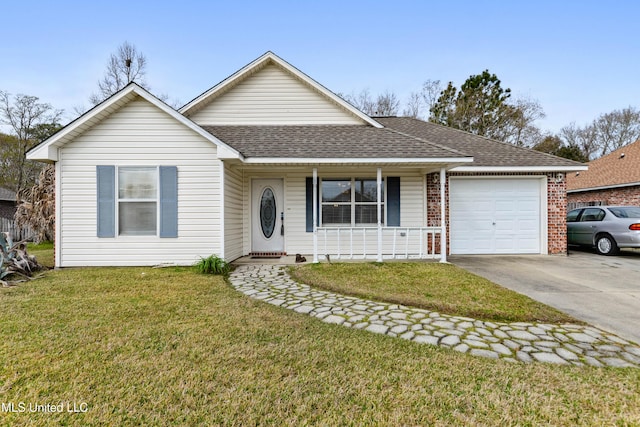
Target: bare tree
point(585, 138)
point(617, 129)
point(430, 93)
point(606, 133)
point(385, 104)
point(414, 106)
point(30, 122)
point(362, 101)
point(124, 66)
point(420, 103)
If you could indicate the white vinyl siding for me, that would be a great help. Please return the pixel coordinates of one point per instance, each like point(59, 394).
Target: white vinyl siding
point(272, 96)
point(233, 218)
point(297, 239)
point(139, 134)
point(496, 215)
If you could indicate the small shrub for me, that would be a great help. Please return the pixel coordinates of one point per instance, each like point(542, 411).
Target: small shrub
point(213, 264)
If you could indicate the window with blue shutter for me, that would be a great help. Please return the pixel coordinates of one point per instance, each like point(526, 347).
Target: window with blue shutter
point(137, 201)
point(336, 201)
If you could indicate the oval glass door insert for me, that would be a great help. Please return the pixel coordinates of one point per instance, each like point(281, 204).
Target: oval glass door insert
point(268, 212)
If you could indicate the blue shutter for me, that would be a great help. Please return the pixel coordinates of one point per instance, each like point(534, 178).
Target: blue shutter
point(393, 201)
point(168, 201)
point(106, 189)
point(309, 204)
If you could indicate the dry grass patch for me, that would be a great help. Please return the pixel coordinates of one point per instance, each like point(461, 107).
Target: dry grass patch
point(148, 346)
point(445, 288)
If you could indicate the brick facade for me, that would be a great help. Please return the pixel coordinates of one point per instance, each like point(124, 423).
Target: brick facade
point(556, 206)
point(625, 196)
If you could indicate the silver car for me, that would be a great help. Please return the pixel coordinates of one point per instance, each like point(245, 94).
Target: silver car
point(608, 228)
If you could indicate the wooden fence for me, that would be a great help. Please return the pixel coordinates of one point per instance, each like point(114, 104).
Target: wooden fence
point(16, 233)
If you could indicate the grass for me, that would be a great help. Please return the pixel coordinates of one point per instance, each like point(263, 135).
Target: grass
point(43, 253)
point(433, 286)
point(143, 346)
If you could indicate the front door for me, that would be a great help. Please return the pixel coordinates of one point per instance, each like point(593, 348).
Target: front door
point(267, 216)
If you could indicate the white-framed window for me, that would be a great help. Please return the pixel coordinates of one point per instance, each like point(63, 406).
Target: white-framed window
point(350, 202)
point(137, 200)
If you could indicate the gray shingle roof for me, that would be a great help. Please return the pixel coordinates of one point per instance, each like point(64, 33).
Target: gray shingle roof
point(6, 194)
point(328, 141)
point(485, 152)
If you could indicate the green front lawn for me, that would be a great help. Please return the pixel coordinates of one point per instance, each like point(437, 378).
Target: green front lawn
point(143, 346)
point(433, 286)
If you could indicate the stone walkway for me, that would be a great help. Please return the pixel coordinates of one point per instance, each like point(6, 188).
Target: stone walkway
point(525, 342)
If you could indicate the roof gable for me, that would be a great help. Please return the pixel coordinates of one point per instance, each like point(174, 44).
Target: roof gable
point(48, 150)
point(270, 91)
point(618, 168)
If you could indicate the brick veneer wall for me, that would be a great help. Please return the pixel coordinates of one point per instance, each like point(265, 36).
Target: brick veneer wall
point(556, 207)
point(626, 196)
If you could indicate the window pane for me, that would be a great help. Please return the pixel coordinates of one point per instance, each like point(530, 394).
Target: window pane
point(367, 214)
point(137, 218)
point(336, 190)
point(592, 215)
point(367, 190)
point(573, 215)
point(336, 214)
point(137, 183)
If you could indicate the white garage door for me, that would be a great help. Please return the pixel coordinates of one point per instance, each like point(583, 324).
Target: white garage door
point(495, 216)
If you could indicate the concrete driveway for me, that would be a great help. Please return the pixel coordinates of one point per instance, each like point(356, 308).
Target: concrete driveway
point(603, 291)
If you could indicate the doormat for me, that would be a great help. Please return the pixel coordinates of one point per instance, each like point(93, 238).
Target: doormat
point(267, 255)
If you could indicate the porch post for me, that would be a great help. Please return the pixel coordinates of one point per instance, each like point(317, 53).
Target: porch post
point(443, 221)
point(379, 206)
point(315, 215)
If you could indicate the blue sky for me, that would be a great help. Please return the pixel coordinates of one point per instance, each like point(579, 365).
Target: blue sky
point(577, 58)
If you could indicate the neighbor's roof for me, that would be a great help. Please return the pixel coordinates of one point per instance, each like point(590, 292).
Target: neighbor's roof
point(6, 194)
point(618, 168)
point(329, 141)
point(487, 153)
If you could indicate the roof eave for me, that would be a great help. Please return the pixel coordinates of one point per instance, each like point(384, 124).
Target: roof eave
point(501, 169)
point(604, 187)
point(450, 162)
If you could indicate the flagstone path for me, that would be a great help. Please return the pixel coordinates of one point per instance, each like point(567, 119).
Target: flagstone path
point(521, 341)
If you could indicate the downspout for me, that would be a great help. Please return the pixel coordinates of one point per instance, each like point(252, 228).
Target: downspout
point(443, 221)
point(57, 239)
point(222, 209)
point(379, 206)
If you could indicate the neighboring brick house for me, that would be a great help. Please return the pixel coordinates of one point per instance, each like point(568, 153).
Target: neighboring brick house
point(613, 179)
point(7, 203)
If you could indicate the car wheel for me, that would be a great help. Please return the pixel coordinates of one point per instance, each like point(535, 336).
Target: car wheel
point(606, 245)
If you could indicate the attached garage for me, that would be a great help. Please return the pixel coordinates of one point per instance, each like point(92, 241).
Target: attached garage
point(503, 215)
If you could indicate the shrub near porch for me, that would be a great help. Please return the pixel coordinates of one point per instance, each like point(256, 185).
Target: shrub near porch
point(444, 288)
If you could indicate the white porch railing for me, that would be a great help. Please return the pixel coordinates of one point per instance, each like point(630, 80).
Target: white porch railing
point(362, 243)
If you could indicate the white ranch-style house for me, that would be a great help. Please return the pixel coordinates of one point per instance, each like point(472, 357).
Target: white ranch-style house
point(270, 162)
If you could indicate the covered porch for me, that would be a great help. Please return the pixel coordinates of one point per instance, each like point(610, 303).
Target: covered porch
point(384, 240)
